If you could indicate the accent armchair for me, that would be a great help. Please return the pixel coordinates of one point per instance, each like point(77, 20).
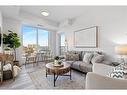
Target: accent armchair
point(98, 79)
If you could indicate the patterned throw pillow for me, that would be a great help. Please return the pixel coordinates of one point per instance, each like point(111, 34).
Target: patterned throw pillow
point(118, 72)
point(72, 56)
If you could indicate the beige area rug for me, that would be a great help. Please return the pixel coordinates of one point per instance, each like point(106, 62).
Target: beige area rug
point(63, 82)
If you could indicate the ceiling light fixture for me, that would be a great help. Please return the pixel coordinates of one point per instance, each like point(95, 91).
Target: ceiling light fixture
point(44, 13)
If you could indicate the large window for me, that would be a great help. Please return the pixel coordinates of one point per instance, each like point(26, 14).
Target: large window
point(34, 38)
point(42, 39)
point(29, 36)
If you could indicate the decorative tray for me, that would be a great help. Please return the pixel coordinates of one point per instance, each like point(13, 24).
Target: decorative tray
point(58, 65)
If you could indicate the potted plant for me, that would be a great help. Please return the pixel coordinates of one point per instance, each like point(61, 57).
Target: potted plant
point(57, 60)
point(7, 50)
point(12, 41)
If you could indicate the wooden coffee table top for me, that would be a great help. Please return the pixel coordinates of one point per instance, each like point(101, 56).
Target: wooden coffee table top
point(51, 66)
point(58, 70)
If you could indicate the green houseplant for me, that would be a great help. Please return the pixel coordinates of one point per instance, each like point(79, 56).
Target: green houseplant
point(11, 41)
point(56, 57)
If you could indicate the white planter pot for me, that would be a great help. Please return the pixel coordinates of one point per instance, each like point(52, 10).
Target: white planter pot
point(56, 61)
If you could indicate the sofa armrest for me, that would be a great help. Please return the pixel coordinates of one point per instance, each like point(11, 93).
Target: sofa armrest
point(102, 69)
point(96, 81)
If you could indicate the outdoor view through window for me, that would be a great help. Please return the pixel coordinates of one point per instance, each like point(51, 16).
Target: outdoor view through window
point(34, 39)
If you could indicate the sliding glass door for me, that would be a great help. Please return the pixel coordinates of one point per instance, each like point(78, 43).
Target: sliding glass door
point(34, 39)
point(43, 37)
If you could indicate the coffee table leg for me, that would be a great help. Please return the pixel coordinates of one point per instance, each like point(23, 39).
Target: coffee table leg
point(54, 80)
point(46, 73)
point(70, 74)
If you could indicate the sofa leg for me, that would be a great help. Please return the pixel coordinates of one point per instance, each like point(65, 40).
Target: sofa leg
point(1, 81)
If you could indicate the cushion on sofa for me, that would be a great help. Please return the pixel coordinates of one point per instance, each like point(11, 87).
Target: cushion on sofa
point(94, 52)
point(86, 67)
point(6, 67)
point(76, 64)
point(107, 62)
point(87, 57)
point(72, 56)
point(97, 58)
point(70, 62)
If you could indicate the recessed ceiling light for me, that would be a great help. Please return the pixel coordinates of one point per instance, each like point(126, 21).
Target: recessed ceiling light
point(44, 13)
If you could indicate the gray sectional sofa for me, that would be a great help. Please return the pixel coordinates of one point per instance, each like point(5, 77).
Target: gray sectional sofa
point(75, 58)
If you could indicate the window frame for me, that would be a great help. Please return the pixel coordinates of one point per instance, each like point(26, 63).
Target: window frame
point(37, 38)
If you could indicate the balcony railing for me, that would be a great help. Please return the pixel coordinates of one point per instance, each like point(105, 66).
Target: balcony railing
point(34, 49)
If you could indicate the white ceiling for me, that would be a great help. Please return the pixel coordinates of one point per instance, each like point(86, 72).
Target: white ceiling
point(10, 11)
point(57, 13)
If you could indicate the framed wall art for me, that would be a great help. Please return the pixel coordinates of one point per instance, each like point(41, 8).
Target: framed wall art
point(86, 38)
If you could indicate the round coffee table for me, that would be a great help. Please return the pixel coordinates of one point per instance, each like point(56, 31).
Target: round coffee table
point(58, 70)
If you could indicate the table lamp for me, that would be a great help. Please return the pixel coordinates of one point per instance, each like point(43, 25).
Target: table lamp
point(122, 51)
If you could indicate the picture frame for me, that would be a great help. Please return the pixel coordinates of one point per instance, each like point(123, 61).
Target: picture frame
point(86, 38)
point(0, 37)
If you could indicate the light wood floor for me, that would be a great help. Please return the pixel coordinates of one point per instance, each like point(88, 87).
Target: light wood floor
point(23, 81)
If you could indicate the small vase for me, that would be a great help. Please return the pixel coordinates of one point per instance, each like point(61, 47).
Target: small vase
point(56, 61)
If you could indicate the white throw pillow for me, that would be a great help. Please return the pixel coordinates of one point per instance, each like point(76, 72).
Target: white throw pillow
point(87, 57)
point(97, 58)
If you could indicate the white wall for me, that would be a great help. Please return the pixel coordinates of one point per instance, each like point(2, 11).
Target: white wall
point(1, 19)
point(112, 22)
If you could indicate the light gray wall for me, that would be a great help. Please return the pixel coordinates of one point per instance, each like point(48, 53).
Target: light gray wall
point(112, 23)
